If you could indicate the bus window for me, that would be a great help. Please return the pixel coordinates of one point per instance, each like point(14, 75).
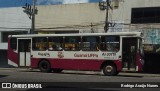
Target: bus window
point(72, 43)
point(110, 43)
point(90, 43)
point(13, 43)
point(55, 43)
point(39, 43)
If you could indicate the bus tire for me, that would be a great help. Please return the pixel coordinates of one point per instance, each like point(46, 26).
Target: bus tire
point(109, 70)
point(45, 66)
point(57, 70)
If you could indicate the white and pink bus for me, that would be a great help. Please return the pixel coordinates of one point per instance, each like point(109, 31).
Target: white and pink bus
point(106, 52)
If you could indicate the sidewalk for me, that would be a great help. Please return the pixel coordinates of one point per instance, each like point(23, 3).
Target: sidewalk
point(139, 74)
point(129, 74)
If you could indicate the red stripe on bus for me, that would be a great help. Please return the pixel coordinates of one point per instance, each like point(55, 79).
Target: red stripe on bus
point(11, 54)
point(77, 64)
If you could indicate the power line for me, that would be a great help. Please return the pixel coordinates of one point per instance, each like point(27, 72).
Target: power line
point(106, 6)
point(31, 11)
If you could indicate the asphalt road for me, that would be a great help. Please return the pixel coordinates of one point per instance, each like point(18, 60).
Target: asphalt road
point(80, 80)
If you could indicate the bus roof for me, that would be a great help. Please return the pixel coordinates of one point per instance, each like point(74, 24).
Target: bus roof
point(138, 34)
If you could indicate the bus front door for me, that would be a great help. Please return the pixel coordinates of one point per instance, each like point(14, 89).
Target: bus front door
point(129, 47)
point(24, 52)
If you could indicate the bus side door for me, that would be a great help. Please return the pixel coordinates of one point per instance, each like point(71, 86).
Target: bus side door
point(129, 51)
point(24, 52)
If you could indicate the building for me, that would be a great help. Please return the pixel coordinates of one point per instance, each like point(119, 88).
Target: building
point(12, 21)
point(125, 15)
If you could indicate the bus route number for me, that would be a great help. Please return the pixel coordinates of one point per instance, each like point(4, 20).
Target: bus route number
point(108, 54)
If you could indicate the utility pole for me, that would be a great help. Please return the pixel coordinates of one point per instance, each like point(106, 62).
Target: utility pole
point(31, 11)
point(105, 6)
point(33, 18)
point(106, 27)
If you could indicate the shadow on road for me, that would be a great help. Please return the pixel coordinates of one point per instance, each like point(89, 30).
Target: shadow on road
point(66, 72)
point(82, 73)
point(124, 74)
point(27, 70)
point(1, 76)
point(130, 76)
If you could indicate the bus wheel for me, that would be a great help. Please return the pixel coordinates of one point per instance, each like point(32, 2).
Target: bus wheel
point(44, 66)
point(109, 70)
point(57, 70)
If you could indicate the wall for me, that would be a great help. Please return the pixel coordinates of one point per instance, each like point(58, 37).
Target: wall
point(70, 16)
point(75, 15)
point(13, 19)
point(82, 16)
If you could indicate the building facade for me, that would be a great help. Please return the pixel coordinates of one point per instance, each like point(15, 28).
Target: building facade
point(125, 15)
point(12, 21)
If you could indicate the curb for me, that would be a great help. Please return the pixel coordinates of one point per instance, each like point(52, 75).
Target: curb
point(95, 72)
point(8, 68)
point(140, 74)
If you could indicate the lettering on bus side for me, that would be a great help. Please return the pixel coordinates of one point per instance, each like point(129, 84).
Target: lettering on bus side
point(109, 54)
point(86, 55)
point(44, 54)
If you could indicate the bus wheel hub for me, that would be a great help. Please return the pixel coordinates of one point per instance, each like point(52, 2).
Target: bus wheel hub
point(109, 68)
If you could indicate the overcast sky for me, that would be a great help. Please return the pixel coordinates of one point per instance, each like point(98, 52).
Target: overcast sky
point(19, 3)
